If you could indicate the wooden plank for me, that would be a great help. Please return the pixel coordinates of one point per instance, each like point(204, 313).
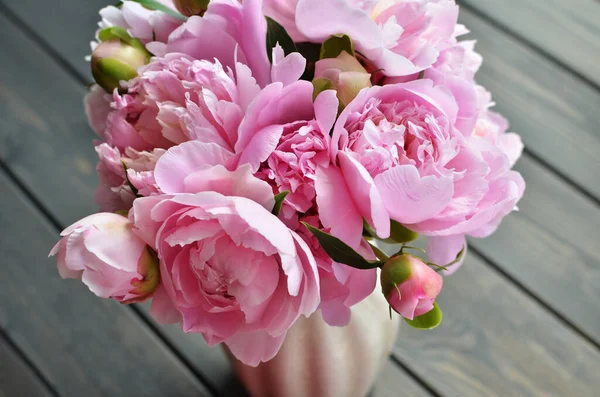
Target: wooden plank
point(555, 112)
point(42, 130)
point(567, 30)
point(494, 341)
point(401, 386)
point(67, 26)
point(83, 345)
point(16, 377)
point(551, 246)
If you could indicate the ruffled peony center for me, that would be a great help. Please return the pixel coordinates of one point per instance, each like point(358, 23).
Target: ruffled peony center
point(384, 135)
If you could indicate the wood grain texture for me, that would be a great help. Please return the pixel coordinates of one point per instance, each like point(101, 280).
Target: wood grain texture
point(567, 30)
point(495, 341)
point(555, 113)
point(84, 346)
point(68, 26)
point(551, 246)
point(16, 378)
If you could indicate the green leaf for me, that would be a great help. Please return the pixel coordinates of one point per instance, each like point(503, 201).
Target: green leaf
point(340, 251)
point(277, 34)
point(333, 46)
point(429, 320)
point(421, 75)
point(279, 202)
point(155, 5)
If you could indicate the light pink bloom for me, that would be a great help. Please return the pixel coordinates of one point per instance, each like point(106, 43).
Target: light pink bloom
point(401, 37)
point(151, 27)
point(115, 192)
point(401, 157)
point(230, 31)
point(230, 269)
point(175, 99)
point(103, 252)
point(410, 286)
point(302, 147)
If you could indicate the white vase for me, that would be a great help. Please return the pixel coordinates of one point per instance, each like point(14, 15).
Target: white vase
point(318, 360)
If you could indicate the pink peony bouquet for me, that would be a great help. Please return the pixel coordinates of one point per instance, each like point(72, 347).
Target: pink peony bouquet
point(252, 153)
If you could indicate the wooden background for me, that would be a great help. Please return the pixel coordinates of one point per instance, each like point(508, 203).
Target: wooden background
point(522, 318)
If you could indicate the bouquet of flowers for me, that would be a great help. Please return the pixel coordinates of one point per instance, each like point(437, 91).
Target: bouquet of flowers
point(252, 154)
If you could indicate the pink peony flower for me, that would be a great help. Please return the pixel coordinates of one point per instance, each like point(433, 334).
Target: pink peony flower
point(230, 31)
point(151, 27)
point(302, 147)
point(103, 252)
point(230, 269)
point(115, 191)
point(401, 157)
point(401, 37)
point(410, 286)
point(175, 99)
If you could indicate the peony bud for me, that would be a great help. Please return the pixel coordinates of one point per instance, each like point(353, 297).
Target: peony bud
point(347, 75)
point(191, 7)
point(103, 252)
point(117, 59)
point(409, 285)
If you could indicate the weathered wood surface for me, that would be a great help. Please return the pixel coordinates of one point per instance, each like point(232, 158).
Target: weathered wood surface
point(555, 112)
point(495, 339)
point(83, 345)
point(567, 30)
point(16, 377)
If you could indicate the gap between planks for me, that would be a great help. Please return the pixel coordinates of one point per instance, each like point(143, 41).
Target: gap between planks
point(528, 43)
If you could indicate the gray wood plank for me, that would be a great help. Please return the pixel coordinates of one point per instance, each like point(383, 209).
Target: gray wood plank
point(67, 25)
point(567, 30)
point(403, 385)
point(551, 245)
point(16, 377)
point(85, 346)
point(555, 112)
point(38, 129)
point(494, 341)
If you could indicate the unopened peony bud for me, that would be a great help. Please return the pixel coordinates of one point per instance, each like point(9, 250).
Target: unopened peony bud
point(103, 252)
point(346, 74)
point(409, 285)
point(115, 60)
point(191, 7)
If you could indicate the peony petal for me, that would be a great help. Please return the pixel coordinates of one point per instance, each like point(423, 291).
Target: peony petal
point(252, 348)
point(365, 194)
point(410, 198)
point(337, 210)
point(443, 250)
point(180, 161)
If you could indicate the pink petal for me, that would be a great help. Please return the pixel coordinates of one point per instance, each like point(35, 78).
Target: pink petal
point(443, 250)
point(410, 198)
point(337, 210)
point(365, 194)
point(252, 348)
point(180, 161)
